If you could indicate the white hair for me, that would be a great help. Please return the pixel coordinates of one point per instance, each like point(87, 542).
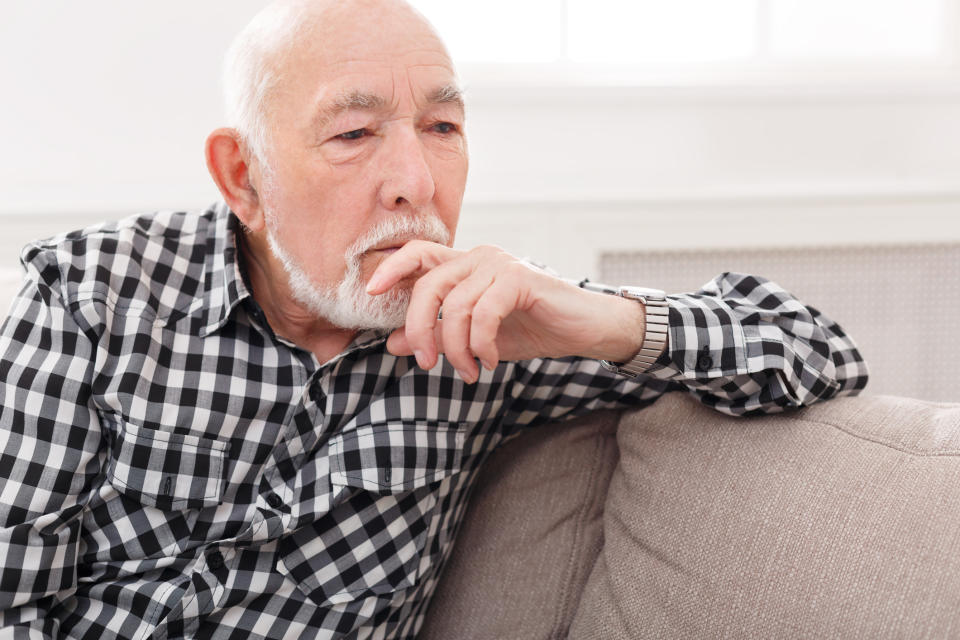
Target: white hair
point(347, 304)
point(250, 71)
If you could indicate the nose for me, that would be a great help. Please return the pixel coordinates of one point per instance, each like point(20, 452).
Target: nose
point(407, 178)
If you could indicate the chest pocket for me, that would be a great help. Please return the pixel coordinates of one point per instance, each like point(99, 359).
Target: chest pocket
point(386, 481)
point(391, 459)
point(165, 470)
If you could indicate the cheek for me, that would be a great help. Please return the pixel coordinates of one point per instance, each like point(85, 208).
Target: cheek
point(317, 245)
point(449, 163)
point(450, 177)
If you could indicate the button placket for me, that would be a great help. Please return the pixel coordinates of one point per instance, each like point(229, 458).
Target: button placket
point(704, 360)
point(215, 575)
point(274, 492)
point(317, 395)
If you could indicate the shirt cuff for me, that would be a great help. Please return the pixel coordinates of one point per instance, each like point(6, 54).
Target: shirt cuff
point(705, 341)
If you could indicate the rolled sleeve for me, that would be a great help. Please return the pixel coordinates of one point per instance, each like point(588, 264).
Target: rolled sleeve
point(743, 344)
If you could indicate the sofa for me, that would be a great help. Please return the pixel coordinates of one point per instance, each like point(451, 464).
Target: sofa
point(840, 520)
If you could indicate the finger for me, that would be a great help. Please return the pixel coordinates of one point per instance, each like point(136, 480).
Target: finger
point(425, 300)
point(417, 256)
point(398, 345)
point(457, 313)
point(431, 291)
point(498, 301)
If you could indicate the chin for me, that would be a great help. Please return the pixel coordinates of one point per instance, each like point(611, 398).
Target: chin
point(355, 309)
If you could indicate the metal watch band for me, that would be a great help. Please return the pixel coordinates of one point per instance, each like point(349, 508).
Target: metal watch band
point(657, 318)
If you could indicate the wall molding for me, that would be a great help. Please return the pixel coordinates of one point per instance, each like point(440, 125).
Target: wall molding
point(570, 234)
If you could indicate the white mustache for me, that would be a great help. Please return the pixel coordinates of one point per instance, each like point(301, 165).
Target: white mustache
point(428, 228)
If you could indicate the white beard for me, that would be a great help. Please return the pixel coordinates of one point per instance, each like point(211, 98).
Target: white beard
point(348, 305)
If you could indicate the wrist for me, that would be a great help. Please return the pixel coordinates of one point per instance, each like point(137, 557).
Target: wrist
point(655, 332)
point(623, 329)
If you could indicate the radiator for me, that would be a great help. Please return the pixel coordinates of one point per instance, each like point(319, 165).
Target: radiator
point(901, 303)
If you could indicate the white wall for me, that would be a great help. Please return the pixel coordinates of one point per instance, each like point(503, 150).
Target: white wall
point(107, 103)
point(621, 168)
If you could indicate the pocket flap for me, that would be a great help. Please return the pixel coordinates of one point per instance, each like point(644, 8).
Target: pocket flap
point(167, 470)
point(396, 457)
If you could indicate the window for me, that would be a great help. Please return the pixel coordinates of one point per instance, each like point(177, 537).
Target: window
point(685, 35)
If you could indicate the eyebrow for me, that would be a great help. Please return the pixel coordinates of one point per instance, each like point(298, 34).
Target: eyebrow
point(354, 101)
point(361, 101)
point(447, 94)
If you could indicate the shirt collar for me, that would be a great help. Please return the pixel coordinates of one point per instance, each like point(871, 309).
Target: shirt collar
point(224, 287)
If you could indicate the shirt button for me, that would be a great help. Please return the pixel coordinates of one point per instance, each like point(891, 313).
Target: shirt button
point(316, 394)
point(274, 501)
point(215, 560)
point(704, 363)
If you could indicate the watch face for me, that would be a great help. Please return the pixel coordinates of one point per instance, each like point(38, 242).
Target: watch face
point(642, 292)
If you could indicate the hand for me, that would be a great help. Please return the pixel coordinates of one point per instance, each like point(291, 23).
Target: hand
point(496, 307)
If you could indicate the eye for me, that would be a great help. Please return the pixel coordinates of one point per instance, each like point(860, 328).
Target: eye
point(356, 134)
point(444, 127)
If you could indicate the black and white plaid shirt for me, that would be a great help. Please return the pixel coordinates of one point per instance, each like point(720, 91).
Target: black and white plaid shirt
point(170, 468)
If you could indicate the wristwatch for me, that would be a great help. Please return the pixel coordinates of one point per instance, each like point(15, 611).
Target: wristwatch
point(656, 328)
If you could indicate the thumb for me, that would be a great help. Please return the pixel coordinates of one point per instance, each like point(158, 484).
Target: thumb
point(397, 343)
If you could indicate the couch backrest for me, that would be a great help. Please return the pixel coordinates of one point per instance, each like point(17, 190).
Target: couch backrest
point(837, 521)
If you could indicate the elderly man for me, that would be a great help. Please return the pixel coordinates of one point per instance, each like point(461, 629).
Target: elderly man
point(256, 422)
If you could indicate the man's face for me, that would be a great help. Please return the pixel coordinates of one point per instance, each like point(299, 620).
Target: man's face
point(367, 128)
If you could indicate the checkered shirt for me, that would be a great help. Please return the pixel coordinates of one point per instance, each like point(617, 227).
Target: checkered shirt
point(170, 468)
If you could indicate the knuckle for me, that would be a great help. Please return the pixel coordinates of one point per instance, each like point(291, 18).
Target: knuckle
point(419, 324)
point(424, 285)
point(418, 338)
point(483, 315)
point(416, 311)
point(518, 269)
point(455, 312)
point(418, 292)
point(455, 338)
point(478, 343)
point(484, 323)
point(487, 250)
point(456, 305)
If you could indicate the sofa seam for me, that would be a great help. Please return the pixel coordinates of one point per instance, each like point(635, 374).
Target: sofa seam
point(558, 628)
point(885, 443)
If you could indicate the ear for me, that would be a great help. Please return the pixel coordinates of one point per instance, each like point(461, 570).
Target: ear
point(228, 162)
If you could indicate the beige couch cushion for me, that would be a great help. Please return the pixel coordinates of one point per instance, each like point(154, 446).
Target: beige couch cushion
point(838, 521)
point(531, 535)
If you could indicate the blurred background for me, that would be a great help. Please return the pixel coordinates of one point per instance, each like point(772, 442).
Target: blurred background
point(816, 142)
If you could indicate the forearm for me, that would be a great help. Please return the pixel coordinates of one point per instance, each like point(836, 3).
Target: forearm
point(743, 344)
